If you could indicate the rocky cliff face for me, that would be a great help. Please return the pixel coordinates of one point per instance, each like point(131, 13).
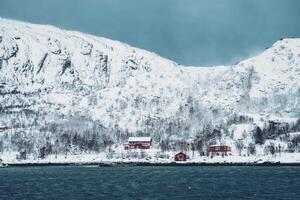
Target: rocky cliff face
point(57, 84)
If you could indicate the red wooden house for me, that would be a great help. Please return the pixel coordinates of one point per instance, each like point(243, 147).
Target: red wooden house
point(180, 157)
point(219, 149)
point(138, 143)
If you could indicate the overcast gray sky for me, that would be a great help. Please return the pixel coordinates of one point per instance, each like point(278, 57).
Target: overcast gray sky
point(190, 32)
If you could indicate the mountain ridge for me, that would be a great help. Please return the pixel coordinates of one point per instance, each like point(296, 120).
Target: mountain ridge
point(75, 82)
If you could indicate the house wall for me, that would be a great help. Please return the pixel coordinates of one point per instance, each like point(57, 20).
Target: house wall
point(180, 157)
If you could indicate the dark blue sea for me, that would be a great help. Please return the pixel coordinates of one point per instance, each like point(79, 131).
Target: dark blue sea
point(152, 182)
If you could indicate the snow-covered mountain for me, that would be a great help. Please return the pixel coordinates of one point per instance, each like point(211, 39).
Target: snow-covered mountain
point(60, 88)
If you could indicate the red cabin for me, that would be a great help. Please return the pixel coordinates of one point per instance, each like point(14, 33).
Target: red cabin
point(219, 149)
point(138, 143)
point(180, 157)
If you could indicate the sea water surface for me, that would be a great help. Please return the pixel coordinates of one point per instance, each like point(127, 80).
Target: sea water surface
point(152, 182)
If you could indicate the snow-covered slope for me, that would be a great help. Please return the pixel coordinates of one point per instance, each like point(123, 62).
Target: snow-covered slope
point(55, 82)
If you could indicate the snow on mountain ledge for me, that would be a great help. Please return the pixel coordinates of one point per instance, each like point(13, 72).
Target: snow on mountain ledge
point(84, 84)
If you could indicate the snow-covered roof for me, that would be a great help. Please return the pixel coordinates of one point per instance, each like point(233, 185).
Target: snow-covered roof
point(139, 139)
point(221, 145)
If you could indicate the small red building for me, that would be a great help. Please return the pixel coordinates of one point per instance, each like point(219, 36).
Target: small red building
point(138, 143)
point(180, 157)
point(219, 149)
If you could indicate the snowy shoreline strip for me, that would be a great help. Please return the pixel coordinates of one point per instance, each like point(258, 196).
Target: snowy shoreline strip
point(132, 164)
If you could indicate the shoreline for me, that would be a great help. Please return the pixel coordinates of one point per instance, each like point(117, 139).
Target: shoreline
point(141, 164)
point(101, 160)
